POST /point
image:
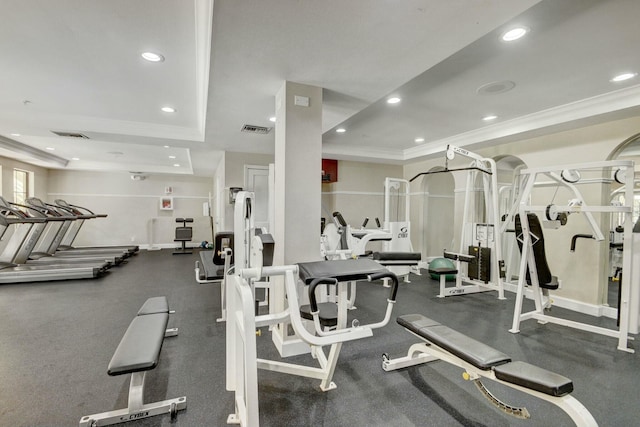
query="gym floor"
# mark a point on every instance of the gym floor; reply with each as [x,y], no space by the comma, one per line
[57,339]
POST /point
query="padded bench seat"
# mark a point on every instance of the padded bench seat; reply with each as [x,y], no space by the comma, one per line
[154,305]
[140,346]
[484,357]
[534,378]
[397,258]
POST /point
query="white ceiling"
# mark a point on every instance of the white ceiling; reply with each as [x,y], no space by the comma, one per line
[75,65]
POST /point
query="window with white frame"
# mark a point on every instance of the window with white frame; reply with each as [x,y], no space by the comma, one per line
[22,185]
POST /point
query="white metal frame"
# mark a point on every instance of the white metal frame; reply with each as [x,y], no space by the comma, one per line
[136,408]
[242,361]
[523,207]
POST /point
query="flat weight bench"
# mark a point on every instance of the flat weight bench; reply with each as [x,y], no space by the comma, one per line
[137,353]
[481,361]
[158,305]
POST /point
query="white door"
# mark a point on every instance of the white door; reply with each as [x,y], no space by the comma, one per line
[256,179]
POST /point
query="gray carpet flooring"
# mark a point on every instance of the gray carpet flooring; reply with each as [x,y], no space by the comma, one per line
[57,338]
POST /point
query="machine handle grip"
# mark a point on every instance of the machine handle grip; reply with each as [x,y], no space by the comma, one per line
[312,290]
[385,275]
[366,221]
[338,216]
[378,223]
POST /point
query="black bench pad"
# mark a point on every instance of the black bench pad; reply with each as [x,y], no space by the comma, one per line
[534,378]
[343,270]
[397,256]
[443,270]
[327,313]
[154,305]
[140,346]
[474,352]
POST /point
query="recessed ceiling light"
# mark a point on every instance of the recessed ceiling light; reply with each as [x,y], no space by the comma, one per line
[341,130]
[622,77]
[272,119]
[172,157]
[75,158]
[15,134]
[168,109]
[152,56]
[176,165]
[418,140]
[393,100]
[514,34]
[166,146]
[50,148]
[489,118]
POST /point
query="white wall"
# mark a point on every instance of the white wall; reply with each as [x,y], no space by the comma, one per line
[133,206]
[359,192]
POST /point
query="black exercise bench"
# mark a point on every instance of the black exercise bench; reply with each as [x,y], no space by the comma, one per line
[137,353]
[482,361]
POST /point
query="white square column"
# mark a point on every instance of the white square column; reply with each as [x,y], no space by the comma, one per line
[298,186]
[298,165]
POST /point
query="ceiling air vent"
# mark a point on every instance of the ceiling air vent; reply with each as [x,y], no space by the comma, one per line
[255,129]
[70,134]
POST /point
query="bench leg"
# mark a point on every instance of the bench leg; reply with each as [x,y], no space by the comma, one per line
[136,409]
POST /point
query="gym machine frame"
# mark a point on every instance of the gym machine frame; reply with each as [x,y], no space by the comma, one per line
[487,167]
[242,363]
[540,297]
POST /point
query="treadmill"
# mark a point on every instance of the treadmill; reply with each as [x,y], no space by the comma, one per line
[43,233]
[82,214]
[54,246]
[23,235]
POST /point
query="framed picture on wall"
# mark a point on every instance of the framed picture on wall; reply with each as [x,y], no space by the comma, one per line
[166,203]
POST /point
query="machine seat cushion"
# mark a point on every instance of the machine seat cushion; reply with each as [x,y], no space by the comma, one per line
[154,305]
[534,378]
[210,270]
[344,270]
[474,352]
[397,256]
[139,349]
[328,313]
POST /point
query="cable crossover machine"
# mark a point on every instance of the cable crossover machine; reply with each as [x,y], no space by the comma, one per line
[480,249]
